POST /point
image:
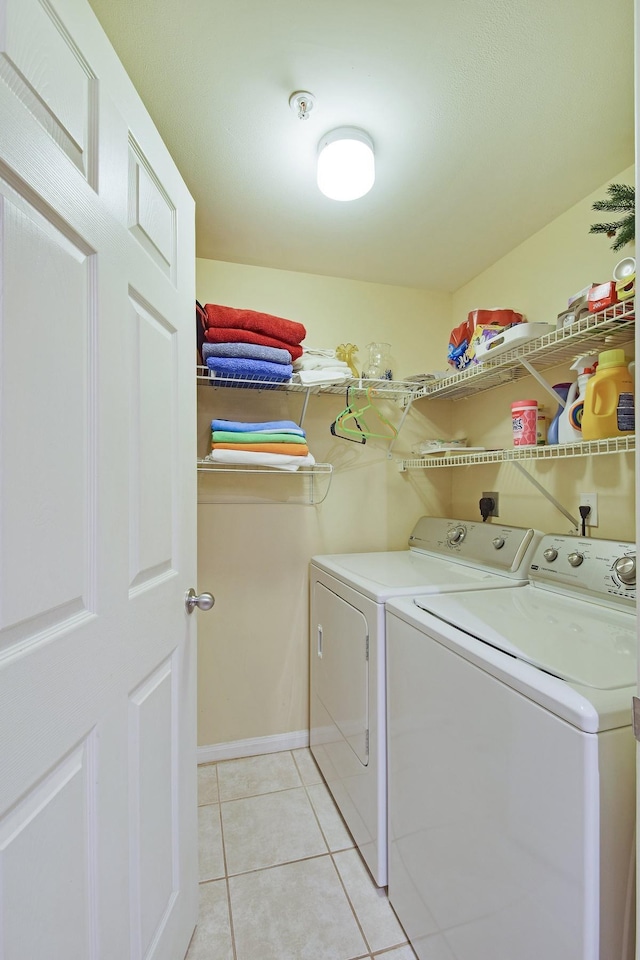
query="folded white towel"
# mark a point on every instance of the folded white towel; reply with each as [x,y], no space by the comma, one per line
[249,458]
[318,351]
[311,378]
[319,363]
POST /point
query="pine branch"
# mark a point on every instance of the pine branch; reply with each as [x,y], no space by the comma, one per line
[627,233]
[622,198]
[605,227]
[622,191]
[614,204]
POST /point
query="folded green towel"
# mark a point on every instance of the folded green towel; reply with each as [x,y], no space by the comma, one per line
[225,436]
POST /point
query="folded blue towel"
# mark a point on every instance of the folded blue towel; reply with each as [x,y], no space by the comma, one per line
[265,426]
[249,369]
[249,351]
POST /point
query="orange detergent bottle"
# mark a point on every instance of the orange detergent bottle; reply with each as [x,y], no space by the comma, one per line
[609,399]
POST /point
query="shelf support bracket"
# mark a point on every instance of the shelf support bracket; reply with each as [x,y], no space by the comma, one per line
[305,404]
[543,383]
[399,427]
[545,493]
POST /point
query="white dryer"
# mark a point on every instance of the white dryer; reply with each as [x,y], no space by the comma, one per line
[512,762]
[348,676]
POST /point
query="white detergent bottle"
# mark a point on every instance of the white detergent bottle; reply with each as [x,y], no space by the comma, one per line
[570,422]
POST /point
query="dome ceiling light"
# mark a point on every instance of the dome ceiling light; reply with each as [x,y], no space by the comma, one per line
[346,161]
[346,164]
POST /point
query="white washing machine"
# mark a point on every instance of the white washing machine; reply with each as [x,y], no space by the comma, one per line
[348,683]
[512,762]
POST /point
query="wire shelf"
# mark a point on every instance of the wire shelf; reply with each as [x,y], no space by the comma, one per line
[307,485]
[556,451]
[606,330]
[402,390]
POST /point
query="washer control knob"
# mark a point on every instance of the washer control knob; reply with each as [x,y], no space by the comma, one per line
[550,554]
[498,542]
[456,534]
[575,559]
[625,569]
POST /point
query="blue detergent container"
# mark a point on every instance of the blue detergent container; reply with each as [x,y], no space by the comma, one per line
[563,390]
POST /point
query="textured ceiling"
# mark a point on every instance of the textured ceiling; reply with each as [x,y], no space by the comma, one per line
[489,118]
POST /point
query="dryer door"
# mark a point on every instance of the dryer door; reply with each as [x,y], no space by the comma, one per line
[340,673]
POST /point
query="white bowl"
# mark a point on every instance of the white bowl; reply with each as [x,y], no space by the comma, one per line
[624,268]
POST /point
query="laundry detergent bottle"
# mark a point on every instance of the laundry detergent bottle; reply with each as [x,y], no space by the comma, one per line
[570,420]
[609,399]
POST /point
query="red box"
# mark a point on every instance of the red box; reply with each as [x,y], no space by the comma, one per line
[601,296]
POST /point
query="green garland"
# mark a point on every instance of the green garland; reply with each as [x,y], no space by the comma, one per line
[621,198]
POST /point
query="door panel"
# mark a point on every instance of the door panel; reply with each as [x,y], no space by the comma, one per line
[152,420]
[45,526]
[152,215]
[43,66]
[47,850]
[154,833]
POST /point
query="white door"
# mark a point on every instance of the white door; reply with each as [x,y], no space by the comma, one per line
[97,505]
[637,454]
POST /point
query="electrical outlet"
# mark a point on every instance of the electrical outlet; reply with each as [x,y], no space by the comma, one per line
[590,500]
[494,497]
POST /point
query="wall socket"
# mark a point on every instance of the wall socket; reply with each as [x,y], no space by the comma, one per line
[494,497]
[590,500]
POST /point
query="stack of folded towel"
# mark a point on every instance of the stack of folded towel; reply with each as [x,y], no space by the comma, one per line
[274,443]
[250,345]
[318,366]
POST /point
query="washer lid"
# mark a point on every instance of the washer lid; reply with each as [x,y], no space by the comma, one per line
[574,640]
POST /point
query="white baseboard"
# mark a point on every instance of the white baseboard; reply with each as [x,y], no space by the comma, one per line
[251,748]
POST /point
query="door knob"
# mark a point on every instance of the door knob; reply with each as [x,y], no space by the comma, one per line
[203,602]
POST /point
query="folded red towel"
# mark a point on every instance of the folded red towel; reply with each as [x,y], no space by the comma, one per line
[288,330]
[225,335]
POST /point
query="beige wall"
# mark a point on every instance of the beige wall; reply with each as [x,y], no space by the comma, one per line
[253,661]
[537,278]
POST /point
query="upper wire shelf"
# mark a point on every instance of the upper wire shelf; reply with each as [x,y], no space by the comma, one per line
[402,390]
[605,330]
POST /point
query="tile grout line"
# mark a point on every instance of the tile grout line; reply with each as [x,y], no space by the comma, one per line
[275,866]
[232,935]
[353,909]
[269,793]
[261,793]
[317,818]
[231,927]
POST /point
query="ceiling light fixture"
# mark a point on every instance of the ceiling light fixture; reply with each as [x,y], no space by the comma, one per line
[346,164]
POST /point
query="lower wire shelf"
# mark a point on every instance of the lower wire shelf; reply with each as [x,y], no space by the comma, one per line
[556,451]
[223,483]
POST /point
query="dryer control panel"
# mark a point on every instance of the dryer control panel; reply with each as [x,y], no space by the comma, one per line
[494,547]
[603,570]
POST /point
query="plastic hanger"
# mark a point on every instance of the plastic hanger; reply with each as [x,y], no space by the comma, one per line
[358,438]
[357,415]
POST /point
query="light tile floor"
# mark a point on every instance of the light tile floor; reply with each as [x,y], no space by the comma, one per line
[280,878]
